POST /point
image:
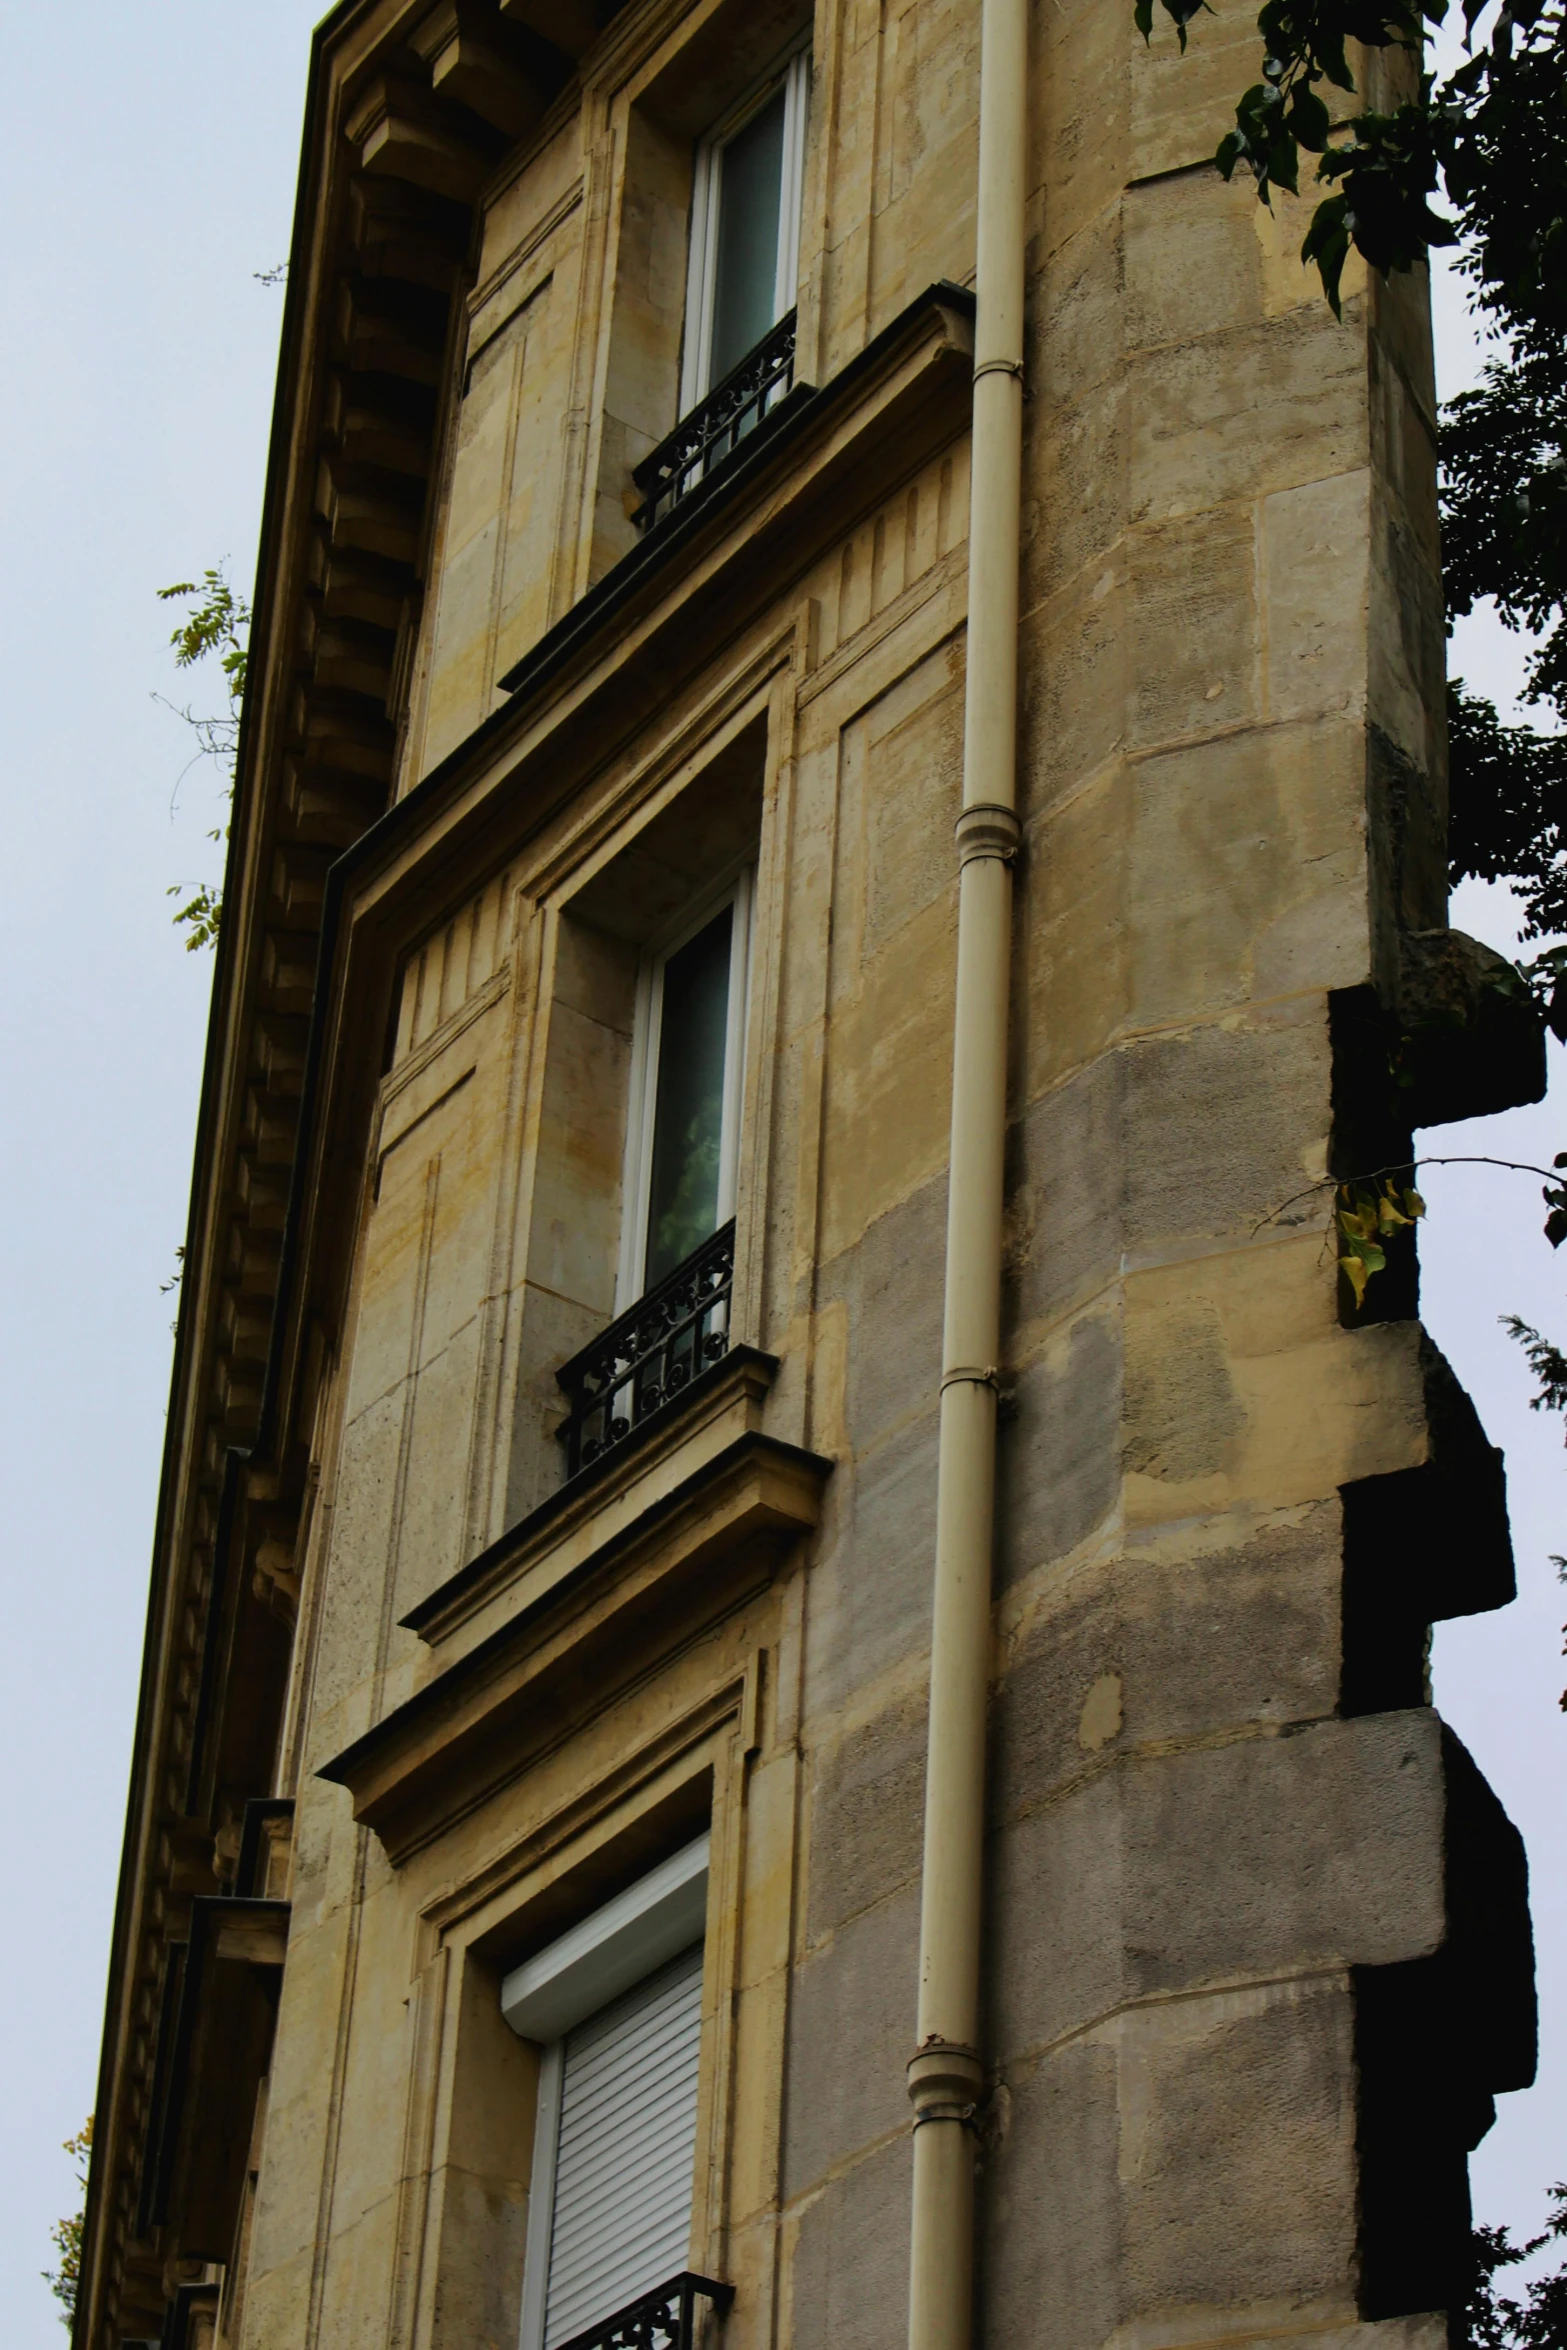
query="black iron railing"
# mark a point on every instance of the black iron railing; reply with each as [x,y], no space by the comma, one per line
[665,2320]
[717,425]
[651,1355]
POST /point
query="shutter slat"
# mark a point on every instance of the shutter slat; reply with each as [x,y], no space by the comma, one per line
[643,2111]
[643,2075]
[626,2150]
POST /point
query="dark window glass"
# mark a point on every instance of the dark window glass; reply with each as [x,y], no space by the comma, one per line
[750,191]
[688,1110]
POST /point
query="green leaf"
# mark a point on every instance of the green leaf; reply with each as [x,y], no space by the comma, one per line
[1326,243]
[1309,120]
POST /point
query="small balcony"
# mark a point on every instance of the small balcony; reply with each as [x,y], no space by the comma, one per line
[717,426]
[647,1360]
[662,2320]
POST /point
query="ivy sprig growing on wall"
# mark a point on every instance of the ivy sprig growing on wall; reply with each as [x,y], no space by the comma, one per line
[1370,1209]
[1367,1216]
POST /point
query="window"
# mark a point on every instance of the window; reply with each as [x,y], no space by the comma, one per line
[683,1130]
[618,2005]
[745,228]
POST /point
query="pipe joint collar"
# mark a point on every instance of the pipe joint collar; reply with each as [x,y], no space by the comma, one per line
[988,830]
[946,2083]
[1012,367]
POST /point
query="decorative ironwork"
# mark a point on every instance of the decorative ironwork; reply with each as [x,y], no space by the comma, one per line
[664,2320]
[717,425]
[651,1355]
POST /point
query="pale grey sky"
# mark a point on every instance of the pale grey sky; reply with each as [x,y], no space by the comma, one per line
[147,165]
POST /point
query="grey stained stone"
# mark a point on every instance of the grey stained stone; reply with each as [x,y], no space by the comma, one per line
[891,1281]
[1064,1184]
[1180,1873]
[1196,2158]
[1056,1953]
[1058,1457]
[1316,1849]
[1236,2156]
[1203,1645]
[850,2036]
[1218,1124]
[867,1813]
[871,1589]
[1162,1140]
[1050,2210]
[850,2272]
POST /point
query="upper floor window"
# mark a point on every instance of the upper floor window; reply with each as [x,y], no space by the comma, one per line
[684,1129]
[745,228]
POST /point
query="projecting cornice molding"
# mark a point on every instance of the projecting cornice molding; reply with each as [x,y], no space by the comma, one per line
[584,1602]
[394,152]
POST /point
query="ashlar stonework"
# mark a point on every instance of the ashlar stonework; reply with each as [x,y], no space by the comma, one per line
[1257,1942]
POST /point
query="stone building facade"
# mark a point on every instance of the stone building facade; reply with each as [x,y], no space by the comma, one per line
[522,1871]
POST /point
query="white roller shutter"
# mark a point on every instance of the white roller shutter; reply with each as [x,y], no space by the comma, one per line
[624,2156]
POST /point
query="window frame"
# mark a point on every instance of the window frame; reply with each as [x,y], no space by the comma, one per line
[738,892]
[793,75]
[585,1971]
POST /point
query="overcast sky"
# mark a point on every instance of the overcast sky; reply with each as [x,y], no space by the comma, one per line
[147,166]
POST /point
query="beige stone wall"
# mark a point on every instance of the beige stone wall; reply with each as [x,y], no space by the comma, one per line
[576,319]
[1230,628]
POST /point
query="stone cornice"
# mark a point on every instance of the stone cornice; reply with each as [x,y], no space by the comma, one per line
[580,1614]
[381,257]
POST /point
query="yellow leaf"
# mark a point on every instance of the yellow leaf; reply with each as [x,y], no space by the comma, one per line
[1354,1270]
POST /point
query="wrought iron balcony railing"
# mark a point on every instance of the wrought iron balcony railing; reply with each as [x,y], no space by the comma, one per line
[717,425]
[647,1358]
[665,2320]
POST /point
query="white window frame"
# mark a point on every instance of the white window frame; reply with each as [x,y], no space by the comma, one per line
[794,74]
[738,892]
[611,1952]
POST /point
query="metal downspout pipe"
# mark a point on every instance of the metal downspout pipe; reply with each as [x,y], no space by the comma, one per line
[946,2074]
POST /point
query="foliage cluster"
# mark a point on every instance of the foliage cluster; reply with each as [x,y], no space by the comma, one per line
[66,2234]
[216,626]
[1495,2320]
[1367,1215]
[1492,137]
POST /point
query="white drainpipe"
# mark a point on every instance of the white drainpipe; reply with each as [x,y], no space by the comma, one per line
[946,2073]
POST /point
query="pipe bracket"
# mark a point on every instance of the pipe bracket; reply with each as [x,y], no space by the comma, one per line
[988,830]
[1012,367]
[968,1375]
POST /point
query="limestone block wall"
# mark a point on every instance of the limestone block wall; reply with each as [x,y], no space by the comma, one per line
[1203,1873]
[571,346]
[1235,1983]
